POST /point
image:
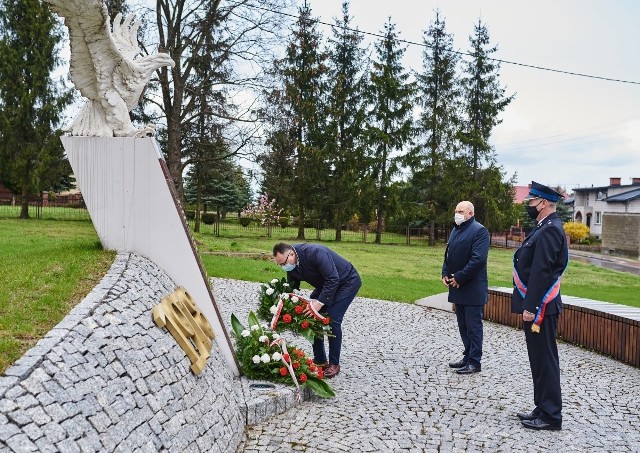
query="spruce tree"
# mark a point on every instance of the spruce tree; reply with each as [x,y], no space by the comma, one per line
[484,99]
[31,103]
[389,127]
[346,111]
[435,170]
[302,72]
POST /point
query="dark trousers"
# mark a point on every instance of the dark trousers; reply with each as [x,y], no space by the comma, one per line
[336,312]
[545,369]
[470,327]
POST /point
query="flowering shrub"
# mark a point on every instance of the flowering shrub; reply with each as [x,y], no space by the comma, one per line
[263,354]
[286,311]
[576,231]
[264,211]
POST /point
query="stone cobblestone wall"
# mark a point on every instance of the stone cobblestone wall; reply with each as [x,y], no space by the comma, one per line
[621,233]
[107,379]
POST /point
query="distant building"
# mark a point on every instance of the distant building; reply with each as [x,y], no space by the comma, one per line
[592,203]
[521,193]
[6,197]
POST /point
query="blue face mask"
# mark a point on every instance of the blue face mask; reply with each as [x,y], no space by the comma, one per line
[288,267]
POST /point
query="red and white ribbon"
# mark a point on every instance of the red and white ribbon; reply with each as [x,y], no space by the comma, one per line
[276,315]
[310,306]
[283,346]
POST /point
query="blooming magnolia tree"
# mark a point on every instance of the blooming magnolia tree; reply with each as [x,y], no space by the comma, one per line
[262,211]
[285,310]
[263,354]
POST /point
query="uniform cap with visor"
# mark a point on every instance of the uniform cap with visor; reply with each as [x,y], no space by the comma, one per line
[538,190]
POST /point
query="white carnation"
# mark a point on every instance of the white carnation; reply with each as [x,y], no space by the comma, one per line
[245,333]
[276,356]
[263,338]
[276,336]
[274,281]
[273,309]
[265,358]
[285,284]
[255,327]
[269,291]
[285,296]
[295,299]
[256,359]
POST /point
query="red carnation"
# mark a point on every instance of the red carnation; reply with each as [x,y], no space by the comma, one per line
[309,361]
[286,357]
[299,352]
[286,318]
[298,309]
[303,377]
[283,371]
[320,373]
[296,365]
[312,368]
[304,324]
[326,321]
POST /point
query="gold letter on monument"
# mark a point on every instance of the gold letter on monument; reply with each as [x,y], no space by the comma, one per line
[190,328]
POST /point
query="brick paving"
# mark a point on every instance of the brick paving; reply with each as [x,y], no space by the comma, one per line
[396,392]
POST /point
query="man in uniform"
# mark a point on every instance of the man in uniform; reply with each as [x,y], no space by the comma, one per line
[538,266]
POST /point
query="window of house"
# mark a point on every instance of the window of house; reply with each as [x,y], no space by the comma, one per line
[598,218]
[601,195]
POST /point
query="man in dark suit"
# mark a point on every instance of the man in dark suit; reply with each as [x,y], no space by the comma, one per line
[464,272]
[336,283]
[538,266]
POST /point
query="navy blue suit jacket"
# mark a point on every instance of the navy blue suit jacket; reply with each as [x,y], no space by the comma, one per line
[332,276]
[466,258]
[540,261]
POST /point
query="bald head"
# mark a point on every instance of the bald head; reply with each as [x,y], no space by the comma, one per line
[466,208]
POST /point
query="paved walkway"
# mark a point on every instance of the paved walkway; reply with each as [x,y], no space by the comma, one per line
[396,392]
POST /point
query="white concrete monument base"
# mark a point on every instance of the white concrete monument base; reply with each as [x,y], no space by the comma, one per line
[439,301]
[130,197]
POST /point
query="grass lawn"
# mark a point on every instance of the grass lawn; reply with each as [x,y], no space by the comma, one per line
[404,274]
[48,266]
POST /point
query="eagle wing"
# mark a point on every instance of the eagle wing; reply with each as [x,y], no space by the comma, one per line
[95,51]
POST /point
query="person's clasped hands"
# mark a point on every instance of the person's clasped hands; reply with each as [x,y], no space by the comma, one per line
[450,281]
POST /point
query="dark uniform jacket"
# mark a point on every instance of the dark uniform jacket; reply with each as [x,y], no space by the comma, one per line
[332,276]
[539,262]
[466,258]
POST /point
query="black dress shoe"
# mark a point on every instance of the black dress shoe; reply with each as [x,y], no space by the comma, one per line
[527,415]
[459,364]
[540,424]
[468,369]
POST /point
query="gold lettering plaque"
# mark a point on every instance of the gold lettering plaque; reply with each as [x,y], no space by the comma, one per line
[188,326]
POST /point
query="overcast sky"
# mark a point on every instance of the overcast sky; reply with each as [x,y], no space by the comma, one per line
[560,129]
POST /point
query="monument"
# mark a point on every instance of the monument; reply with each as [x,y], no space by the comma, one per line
[119,168]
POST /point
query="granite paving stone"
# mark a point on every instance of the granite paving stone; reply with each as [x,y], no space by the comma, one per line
[107,379]
[395,391]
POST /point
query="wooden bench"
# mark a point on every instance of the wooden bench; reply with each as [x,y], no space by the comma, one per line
[610,329]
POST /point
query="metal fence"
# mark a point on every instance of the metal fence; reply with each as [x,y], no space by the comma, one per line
[507,239]
[50,210]
[314,229]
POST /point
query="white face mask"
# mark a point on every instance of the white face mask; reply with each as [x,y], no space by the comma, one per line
[458,218]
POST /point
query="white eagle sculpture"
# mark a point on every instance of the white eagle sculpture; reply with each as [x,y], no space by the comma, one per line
[104,68]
